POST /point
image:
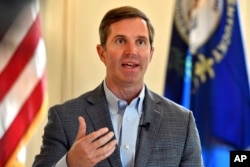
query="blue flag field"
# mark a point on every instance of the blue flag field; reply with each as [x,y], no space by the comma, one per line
[207,73]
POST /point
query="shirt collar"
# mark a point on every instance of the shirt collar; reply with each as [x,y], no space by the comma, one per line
[115,104]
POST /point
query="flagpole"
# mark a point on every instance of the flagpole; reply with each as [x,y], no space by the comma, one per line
[187,81]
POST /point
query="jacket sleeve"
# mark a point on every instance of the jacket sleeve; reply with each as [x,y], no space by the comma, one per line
[192,155]
[54,142]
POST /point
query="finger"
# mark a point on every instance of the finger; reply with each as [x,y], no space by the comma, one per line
[106,151]
[104,139]
[81,129]
[94,136]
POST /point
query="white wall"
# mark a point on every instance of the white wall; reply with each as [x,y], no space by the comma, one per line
[73,66]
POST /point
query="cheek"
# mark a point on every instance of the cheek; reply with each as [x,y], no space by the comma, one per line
[148,58]
[146,62]
[111,61]
[112,57]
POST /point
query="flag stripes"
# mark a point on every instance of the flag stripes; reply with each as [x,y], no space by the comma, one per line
[13,101]
[20,58]
[22,121]
[22,82]
[15,34]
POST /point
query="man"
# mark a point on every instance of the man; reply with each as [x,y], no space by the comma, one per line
[121,122]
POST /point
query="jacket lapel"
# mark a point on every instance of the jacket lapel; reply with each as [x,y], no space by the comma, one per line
[147,137]
[99,114]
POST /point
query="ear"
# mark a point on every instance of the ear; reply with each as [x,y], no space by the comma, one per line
[101,52]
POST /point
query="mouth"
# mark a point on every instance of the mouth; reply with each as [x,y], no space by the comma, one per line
[130,65]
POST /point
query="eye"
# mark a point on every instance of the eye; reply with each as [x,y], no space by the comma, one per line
[141,42]
[120,41]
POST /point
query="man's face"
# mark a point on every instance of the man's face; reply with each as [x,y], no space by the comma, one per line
[127,53]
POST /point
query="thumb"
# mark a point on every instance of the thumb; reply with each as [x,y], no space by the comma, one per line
[81,129]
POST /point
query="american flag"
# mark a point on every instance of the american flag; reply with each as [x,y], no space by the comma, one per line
[23,97]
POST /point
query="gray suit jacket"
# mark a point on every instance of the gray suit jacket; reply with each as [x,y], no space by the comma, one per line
[172,139]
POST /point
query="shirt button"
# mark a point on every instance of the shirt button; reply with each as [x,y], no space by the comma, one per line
[126,146]
[128,119]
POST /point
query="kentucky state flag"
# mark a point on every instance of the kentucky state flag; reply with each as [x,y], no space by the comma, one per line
[207,71]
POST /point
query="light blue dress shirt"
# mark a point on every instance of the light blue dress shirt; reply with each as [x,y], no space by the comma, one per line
[125,119]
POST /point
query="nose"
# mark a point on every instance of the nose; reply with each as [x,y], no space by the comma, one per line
[130,48]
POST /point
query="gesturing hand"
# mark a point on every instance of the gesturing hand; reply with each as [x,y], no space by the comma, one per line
[88,150]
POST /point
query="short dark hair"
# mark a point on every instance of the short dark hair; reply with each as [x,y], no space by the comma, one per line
[120,13]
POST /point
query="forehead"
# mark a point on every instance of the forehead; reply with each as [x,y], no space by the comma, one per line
[131,26]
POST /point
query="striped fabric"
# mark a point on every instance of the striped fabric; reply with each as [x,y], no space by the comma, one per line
[22,84]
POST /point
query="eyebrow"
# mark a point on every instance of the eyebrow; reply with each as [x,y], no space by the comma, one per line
[124,36]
